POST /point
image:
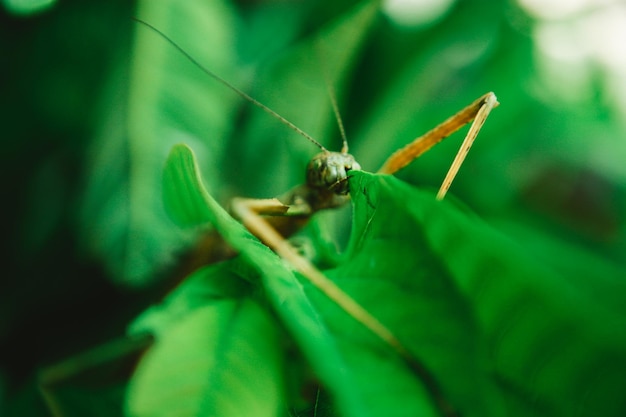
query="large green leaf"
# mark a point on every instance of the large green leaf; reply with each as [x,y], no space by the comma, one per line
[545,337]
[390,270]
[222,359]
[160,100]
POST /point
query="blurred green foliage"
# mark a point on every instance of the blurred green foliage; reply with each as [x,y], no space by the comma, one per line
[27,7]
[92,103]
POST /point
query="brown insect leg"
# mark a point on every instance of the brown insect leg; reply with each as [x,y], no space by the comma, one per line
[490,102]
[413,150]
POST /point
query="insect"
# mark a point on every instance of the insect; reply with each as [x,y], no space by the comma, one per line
[327,186]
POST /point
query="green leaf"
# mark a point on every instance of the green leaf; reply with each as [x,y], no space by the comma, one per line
[390,270]
[162,99]
[184,196]
[222,359]
[550,344]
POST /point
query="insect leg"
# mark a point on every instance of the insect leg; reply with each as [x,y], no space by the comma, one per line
[490,102]
[476,111]
[250,212]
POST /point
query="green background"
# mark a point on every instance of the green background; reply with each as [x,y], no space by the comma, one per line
[92,103]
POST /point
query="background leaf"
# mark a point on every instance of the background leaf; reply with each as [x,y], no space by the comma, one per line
[167,101]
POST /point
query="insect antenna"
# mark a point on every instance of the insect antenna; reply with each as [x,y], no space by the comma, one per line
[230,86]
[333,99]
[342,131]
